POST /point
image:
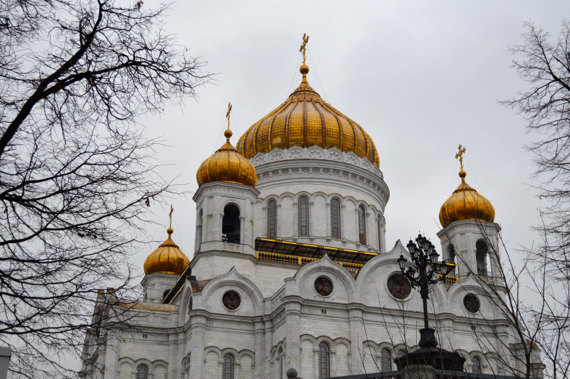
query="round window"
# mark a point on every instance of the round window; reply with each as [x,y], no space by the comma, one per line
[399,286]
[323,286]
[471,303]
[231,300]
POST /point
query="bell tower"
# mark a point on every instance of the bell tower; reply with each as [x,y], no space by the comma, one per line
[225,200]
[469,237]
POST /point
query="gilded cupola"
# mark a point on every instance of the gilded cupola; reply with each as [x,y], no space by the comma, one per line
[465,203]
[168,258]
[227,165]
[305,120]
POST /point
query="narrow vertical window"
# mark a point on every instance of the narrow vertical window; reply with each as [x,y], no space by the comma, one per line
[481,253]
[379,234]
[231,224]
[228,367]
[362,224]
[476,365]
[303,216]
[324,360]
[272,219]
[335,218]
[199,229]
[451,257]
[142,372]
[386,360]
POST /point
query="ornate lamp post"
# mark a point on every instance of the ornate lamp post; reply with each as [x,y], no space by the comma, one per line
[423,272]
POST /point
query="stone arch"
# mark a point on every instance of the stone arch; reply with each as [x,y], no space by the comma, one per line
[234,280]
[308,273]
[186,300]
[159,369]
[126,368]
[373,275]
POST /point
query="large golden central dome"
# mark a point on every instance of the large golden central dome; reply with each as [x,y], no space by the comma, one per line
[305,119]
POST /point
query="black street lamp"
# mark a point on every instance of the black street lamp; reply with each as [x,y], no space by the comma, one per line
[423,272]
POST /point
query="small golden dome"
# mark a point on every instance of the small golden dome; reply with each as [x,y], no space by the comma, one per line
[305,119]
[167,259]
[466,204]
[227,165]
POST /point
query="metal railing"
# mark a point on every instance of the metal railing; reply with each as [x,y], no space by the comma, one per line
[439,374]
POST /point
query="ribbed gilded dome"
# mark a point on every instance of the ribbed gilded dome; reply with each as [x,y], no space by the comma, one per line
[305,119]
[466,204]
[167,259]
[227,165]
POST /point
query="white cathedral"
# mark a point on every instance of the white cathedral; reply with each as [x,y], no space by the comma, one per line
[290,267]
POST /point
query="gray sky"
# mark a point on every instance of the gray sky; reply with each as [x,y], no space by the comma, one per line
[421,77]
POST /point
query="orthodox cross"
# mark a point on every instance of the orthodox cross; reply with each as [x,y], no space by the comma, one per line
[303,48]
[459,156]
[170,215]
[228,114]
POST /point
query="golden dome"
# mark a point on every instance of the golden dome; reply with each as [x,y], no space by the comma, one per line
[466,204]
[167,259]
[227,165]
[305,119]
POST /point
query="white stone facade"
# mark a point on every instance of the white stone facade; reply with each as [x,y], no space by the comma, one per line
[282,321]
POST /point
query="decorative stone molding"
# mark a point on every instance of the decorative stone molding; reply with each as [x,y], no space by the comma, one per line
[315,152]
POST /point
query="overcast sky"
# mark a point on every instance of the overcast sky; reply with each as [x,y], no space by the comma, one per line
[421,77]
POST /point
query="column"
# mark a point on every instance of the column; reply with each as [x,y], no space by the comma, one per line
[197,330]
[292,322]
[356,329]
[111,355]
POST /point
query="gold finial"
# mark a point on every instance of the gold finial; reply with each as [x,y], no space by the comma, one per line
[303,49]
[228,133]
[169,230]
[459,155]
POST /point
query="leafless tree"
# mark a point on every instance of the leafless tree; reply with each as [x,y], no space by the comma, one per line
[545,66]
[75,172]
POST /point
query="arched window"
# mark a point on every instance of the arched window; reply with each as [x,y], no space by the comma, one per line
[324,360]
[451,258]
[271,219]
[199,229]
[386,360]
[481,254]
[476,365]
[142,372]
[303,216]
[362,224]
[231,224]
[228,367]
[335,218]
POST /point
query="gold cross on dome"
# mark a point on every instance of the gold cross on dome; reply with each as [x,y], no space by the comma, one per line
[459,155]
[228,113]
[303,48]
[170,215]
